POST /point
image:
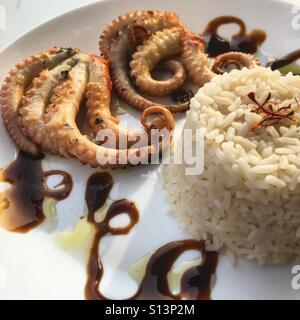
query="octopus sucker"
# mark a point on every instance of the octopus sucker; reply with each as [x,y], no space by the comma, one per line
[15,85]
[195,59]
[238,59]
[37,98]
[64,133]
[115,46]
[159,46]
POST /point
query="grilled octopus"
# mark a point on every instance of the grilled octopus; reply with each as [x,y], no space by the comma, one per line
[41,97]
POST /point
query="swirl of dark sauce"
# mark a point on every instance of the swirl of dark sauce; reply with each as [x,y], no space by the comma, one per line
[97,191]
[284,61]
[27,192]
[241,41]
[195,283]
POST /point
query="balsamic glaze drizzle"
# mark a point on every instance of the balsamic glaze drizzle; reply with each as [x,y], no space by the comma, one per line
[27,192]
[241,41]
[98,188]
[284,61]
[195,283]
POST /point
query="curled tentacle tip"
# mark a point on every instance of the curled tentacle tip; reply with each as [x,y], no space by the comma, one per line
[164,120]
[236,59]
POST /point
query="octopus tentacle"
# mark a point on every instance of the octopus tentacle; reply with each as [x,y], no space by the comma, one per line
[167,117]
[112,30]
[98,95]
[15,85]
[117,52]
[174,66]
[61,126]
[238,59]
[160,45]
[64,105]
[123,85]
[35,100]
[195,60]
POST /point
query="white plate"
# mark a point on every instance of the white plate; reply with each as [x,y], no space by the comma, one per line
[32,266]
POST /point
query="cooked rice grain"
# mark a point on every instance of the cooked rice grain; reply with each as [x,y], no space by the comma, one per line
[247,200]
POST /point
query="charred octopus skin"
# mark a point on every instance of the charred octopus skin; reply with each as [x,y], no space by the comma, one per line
[196,60]
[137,42]
[59,80]
[60,123]
[238,59]
[41,96]
[35,100]
[98,100]
[161,45]
[114,45]
[14,87]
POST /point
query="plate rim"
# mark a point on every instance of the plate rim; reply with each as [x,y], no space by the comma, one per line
[95,4]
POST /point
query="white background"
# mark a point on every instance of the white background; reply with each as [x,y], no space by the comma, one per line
[23,15]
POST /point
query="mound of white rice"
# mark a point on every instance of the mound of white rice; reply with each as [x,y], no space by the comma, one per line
[247,200]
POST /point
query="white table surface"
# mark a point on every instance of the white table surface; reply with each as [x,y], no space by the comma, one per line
[23,15]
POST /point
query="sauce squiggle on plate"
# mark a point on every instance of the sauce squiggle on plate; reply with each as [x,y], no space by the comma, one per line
[22,202]
[195,282]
